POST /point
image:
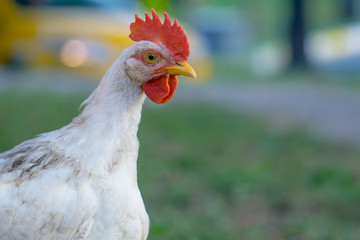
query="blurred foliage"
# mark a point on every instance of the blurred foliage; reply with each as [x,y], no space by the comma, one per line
[206,173]
[158,5]
[271,17]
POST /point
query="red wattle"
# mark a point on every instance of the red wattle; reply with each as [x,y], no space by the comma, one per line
[173,81]
[161,90]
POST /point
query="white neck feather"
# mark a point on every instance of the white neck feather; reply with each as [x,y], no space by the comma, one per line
[103,137]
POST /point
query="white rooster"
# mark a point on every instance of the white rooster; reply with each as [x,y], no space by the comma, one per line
[80,181]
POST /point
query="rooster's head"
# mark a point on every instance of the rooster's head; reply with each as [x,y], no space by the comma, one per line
[159,55]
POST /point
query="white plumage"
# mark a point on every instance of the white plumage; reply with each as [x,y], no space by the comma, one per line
[80,181]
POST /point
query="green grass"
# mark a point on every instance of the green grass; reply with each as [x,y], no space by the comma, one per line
[209,174]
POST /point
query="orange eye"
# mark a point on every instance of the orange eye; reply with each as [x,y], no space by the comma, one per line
[150,57]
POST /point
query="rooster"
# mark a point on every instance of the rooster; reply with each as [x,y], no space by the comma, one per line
[80,181]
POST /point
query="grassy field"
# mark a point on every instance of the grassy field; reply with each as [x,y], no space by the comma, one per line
[209,174]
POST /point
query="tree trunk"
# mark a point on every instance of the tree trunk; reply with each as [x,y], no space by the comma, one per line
[349,10]
[297,33]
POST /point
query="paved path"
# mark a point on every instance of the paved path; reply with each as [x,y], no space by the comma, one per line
[327,112]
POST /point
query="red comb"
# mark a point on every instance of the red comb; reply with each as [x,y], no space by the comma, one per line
[172,37]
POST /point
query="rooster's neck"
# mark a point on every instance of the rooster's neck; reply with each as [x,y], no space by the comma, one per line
[104,135]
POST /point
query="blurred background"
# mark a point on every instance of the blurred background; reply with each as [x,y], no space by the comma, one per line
[264,144]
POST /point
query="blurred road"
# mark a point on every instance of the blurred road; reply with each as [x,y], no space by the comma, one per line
[43,79]
[327,112]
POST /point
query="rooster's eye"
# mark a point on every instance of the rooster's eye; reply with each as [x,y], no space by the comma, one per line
[150,57]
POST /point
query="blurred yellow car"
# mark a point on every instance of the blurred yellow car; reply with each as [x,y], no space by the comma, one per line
[81,35]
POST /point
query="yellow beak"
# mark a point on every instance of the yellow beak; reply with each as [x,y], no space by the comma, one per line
[181,68]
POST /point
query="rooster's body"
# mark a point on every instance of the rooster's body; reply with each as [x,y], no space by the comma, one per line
[80,181]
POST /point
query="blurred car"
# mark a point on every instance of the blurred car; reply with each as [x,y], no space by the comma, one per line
[82,35]
[335,49]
